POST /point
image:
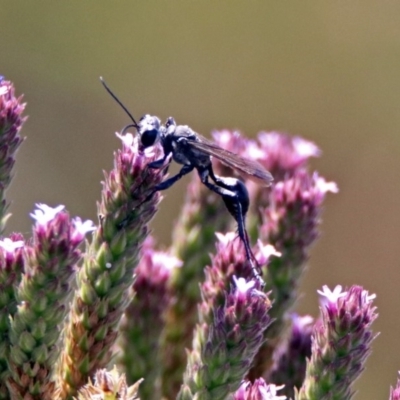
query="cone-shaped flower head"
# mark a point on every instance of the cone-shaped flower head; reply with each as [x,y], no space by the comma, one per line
[283,154]
[11,121]
[229,261]
[11,267]
[292,219]
[109,386]
[43,294]
[143,321]
[290,358]
[105,281]
[291,224]
[223,350]
[341,343]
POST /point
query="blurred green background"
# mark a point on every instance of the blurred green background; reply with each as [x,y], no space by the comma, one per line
[326,70]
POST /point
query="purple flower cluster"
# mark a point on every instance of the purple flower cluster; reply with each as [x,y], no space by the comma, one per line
[341,341]
[106,277]
[224,348]
[395,392]
[42,273]
[290,357]
[192,325]
[11,121]
[143,322]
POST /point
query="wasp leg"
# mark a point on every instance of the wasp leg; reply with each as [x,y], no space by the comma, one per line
[187,168]
[157,164]
[163,186]
[170,181]
[236,198]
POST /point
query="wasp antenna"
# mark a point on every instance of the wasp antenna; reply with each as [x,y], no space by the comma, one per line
[124,130]
[120,103]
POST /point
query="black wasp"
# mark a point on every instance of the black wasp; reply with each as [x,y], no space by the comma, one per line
[194,151]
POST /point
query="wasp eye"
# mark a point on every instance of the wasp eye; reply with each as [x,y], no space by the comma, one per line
[149,137]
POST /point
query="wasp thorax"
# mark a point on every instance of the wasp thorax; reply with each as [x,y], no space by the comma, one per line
[149,130]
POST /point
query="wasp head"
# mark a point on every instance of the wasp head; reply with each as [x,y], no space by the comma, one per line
[149,129]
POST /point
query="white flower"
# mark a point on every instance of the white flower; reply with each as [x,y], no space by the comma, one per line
[305,148]
[226,238]
[253,151]
[128,139]
[44,214]
[266,251]
[324,186]
[366,297]
[269,139]
[330,296]
[301,321]
[83,227]
[166,260]
[242,285]
[260,390]
[268,392]
[3,90]
[9,246]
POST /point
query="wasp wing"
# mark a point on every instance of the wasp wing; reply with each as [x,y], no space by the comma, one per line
[252,169]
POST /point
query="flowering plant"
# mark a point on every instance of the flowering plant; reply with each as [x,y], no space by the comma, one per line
[175,323]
